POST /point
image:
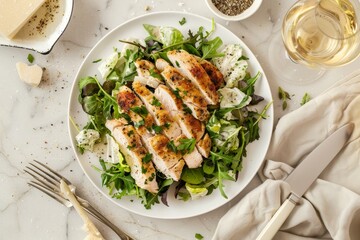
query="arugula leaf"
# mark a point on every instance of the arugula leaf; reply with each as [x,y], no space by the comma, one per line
[209,48]
[222,175]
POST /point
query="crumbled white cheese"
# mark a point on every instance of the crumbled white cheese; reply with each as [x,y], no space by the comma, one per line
[87,138]
[231,65]
[29,74]
[231,97]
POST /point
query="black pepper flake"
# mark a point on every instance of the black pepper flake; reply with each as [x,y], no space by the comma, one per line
[232,7]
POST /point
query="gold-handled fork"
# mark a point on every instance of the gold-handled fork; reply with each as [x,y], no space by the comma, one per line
[48,181]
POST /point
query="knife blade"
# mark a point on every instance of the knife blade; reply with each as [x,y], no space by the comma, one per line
[302,177]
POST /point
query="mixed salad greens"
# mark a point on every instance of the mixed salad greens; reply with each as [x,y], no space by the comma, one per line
[233,124]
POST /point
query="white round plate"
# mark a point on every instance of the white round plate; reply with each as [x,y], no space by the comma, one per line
[255,152]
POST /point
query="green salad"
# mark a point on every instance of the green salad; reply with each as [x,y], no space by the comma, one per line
[233,122]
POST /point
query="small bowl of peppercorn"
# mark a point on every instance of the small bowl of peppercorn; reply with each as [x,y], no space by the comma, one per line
[233,10]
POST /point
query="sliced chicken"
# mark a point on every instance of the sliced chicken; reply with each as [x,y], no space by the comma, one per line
[191,68]
[214,73]
[166,161]
[204,145]
[134,153]
[190,126]
[147,72]
[189,93]
[192,159]
[162,117]
[161,64]
[131,105]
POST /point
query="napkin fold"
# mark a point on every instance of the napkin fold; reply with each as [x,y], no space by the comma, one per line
[330,209]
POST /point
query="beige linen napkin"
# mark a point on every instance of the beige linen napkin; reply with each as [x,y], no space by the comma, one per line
[330,209]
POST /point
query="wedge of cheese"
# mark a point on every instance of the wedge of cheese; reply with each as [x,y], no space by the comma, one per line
[30,74]
[15,13]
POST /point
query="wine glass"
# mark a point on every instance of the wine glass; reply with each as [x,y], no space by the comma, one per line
[317,34]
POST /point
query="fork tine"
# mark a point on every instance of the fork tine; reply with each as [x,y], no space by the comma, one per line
[53,172]
[36,174]
[45,172]
[50,193]
[47,184]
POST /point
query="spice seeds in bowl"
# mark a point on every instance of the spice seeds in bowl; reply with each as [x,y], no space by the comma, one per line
[233,10]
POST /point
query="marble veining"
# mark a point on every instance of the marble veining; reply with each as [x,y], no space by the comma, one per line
[33,122]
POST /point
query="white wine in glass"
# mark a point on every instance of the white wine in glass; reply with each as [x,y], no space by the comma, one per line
[318,34]
[322,33]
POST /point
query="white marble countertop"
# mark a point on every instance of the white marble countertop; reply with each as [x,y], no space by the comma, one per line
[33,122]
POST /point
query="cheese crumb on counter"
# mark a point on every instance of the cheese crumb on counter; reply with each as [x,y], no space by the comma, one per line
[30,74]
[89,226]
[14,15]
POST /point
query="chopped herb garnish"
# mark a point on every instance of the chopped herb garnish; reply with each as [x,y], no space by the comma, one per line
[131,146]
[147,158]
[96,61]
[284,96]
[142,111]
[182,21]
[30,58]
[139,123]
[155,102]
[177,64]
[171,146]
[143,170]
[130,133]
[157,129]
[167,125]
[155,74]
[306,98]
[186,145]
[176,92]
[199,236]
[186,109]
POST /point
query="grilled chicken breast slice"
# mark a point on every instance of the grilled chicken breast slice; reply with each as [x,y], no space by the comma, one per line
[189,93]
[192,159]
[191,68]
[134,153]
[146,73]
[129,102]
[162,117]
[214,73]
[166,161]
[190,126]
[204,145]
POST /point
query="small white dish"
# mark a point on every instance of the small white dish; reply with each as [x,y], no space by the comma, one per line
[42,38]
[245,14]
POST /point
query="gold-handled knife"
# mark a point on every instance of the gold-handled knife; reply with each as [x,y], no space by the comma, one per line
[305,174]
